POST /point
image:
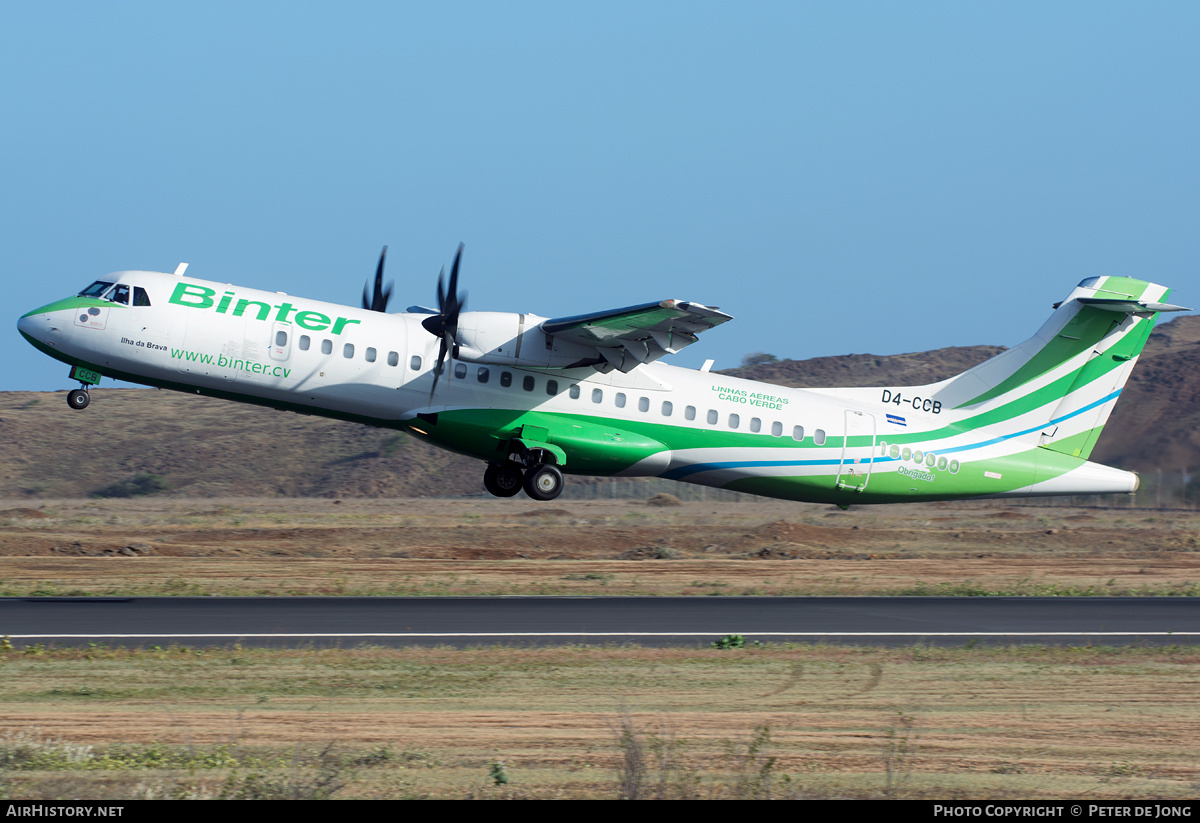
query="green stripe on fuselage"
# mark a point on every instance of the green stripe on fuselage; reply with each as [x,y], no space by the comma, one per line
[72,303]
[1008,473]
[1086,328]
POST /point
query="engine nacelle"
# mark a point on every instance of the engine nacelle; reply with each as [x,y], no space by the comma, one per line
[510,339]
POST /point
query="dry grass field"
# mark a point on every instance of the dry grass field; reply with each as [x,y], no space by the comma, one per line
[154,545]
[785,721]
[772,721]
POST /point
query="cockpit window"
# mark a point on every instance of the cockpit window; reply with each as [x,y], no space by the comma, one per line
[117,293]
[96,289]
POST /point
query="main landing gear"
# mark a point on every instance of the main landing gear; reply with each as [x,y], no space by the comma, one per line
[503,480]
[78,399]
[543,481]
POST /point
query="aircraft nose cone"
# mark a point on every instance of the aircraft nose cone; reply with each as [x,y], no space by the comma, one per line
[34,325]
[25,325]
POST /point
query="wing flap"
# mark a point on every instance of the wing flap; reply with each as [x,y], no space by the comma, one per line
[662,322]
[626,337]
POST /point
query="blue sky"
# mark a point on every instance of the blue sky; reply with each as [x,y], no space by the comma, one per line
[841,177]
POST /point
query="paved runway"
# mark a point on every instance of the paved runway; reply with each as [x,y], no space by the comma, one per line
[658,621]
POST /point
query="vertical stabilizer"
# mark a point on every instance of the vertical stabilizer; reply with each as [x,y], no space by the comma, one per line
[1060,385]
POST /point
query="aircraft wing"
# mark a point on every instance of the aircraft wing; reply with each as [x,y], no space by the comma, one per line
[637,334]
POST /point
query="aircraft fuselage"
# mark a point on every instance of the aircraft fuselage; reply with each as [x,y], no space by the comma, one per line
[843,446]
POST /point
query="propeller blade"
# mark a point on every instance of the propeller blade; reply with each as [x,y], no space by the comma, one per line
[454,301]
[379,300]
[444,324]
[450,303]
[437,370]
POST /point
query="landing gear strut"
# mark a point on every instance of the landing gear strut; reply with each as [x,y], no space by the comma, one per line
[78,399]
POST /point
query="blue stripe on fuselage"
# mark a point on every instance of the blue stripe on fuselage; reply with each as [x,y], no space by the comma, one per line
[698,468]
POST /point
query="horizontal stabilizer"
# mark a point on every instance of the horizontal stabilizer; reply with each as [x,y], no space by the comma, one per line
[1128,306]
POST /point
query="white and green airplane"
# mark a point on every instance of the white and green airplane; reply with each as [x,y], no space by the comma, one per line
[536,397]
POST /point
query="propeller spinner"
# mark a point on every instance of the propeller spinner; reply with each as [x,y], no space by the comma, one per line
[444,324]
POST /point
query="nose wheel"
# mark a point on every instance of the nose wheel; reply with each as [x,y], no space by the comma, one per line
[78,399]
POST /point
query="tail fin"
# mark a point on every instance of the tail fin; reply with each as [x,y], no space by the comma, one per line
[1062,383]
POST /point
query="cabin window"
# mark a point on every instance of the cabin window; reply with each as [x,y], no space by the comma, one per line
[348,351]
[574,391]
[619,400]
[393,358]
[643,404]
[551,387]
[777,429]
[712,417]
[689,413]
[755,424]
[415,362]
[327,348]
[370,354]
[597,395]
[667,408]
[819,437]
[797,433]
[735,420]
[140,298]
[304,342]
[528,383]
[281,338]
[96,289]
[506,379]
[460,370]
[482,374]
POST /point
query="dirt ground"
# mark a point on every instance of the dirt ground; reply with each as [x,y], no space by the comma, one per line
[476,546]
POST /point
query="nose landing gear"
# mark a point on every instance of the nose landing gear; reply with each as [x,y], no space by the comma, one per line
[78,399]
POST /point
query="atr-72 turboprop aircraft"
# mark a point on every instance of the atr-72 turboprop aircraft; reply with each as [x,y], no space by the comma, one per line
[536,397]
